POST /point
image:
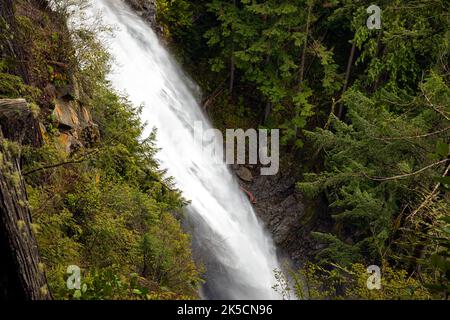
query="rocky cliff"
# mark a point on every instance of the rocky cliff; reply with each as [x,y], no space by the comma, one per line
[287,215]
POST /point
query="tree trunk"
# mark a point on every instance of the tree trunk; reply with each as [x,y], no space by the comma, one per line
[232,69]
[21,273]
[302,65]
[267,110]
[232,59]
[347,76]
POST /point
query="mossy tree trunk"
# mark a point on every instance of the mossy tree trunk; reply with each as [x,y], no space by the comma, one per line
[21,273]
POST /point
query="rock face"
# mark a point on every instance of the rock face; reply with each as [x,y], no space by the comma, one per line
[286,213]
[73,121]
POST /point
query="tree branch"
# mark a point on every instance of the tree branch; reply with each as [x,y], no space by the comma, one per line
[413,137]
[72,161]
[430,196]
[402,176]
[435,108]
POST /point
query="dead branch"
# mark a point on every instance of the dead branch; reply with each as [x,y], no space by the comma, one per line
[402,176]
[60,164]
[430,196]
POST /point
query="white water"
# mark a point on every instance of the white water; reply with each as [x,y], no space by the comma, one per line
[239,256]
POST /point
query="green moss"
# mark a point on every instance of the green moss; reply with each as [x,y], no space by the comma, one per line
[35,110]
[12,147]
[12,87]
[15,178]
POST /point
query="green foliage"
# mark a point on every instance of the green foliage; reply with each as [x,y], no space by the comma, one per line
[260,40]
[174,15]
[167,256]
[97,213]
[377,118]
[315,282]
[48,52]
[439,260]
[12,86]
[103,284]
[336,251]
[376,144]
[381,160]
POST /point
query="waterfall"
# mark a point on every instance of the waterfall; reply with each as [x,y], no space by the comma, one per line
[239,256]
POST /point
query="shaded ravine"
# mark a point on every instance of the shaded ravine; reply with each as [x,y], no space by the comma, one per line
[240,257]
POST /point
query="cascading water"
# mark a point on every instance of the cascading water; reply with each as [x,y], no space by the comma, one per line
[240,258]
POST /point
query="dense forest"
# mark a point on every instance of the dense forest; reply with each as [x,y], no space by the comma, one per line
[364,118]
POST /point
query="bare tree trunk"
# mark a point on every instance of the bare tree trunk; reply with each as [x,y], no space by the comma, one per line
[232,70]
[267,110]
[21,273]
[302,65]
[347,75]
[232,59]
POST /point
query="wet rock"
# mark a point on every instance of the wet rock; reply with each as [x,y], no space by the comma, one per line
[147,10]
[90,135]
[286,213]
[245,174]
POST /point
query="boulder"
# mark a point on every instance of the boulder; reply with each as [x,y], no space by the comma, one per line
[244,174]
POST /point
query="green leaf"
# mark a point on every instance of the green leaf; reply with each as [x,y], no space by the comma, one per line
[442,180]
[446,229]
[77,294]
[445,219]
